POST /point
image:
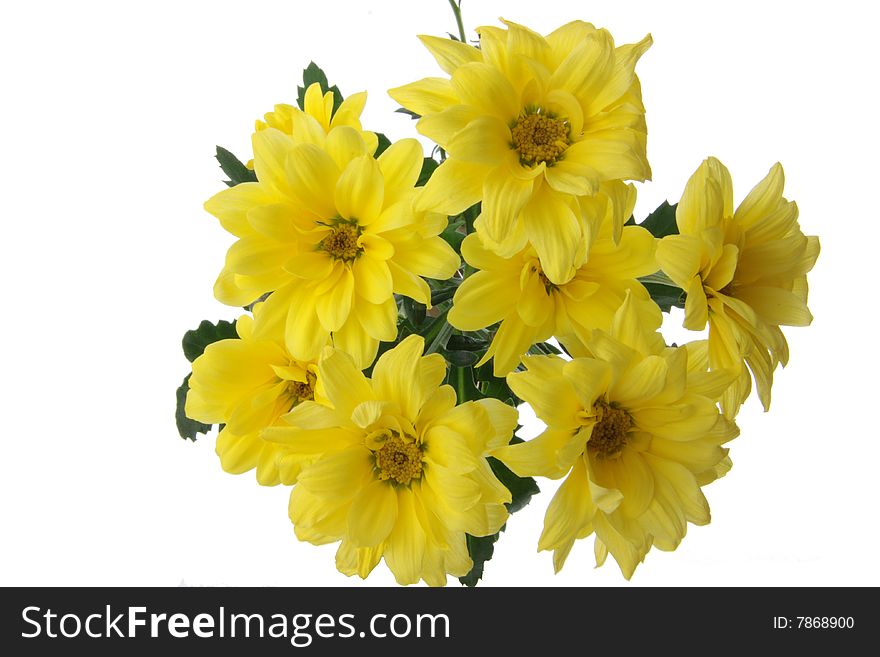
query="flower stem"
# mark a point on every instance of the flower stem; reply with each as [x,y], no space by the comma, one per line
[456,9]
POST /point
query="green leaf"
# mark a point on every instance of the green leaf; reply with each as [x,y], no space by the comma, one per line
[384,143]
[461,378]
[311,74]
[429,164]
[238,173]
[481,550]
[415,312]
[437,334]
[409,113]
[443,294]
[186,427]
[460,358]
[454,234]
[494,386]
[195,341]
[465,343]
[661,222]
[521,488]
[665,296]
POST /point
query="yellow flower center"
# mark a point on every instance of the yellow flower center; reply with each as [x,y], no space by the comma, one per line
[399,460]
[539,138]
[609,433]
[342,242]
[301,391]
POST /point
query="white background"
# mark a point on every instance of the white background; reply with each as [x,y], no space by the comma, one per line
[110,116]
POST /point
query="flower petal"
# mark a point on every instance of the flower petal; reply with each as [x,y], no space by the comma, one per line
[372,514]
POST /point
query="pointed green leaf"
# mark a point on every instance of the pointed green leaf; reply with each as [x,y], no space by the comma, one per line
[186,427]
[661,222]
[384,143]
[195,341]
[233,167]
[428,166]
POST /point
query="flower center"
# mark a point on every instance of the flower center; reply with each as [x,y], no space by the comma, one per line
[302,390]
[609,433]
[399,460]
[341,243]
[539,138]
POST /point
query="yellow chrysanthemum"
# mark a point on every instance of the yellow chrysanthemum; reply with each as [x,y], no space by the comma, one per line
[518,293]
[318,112]
[527,122]
[248,384]
[331,232]
[398,471]
[744,273]
[635,428]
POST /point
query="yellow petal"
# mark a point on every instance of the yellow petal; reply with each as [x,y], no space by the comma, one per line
[378,320]
[231,206]
[483,299]
[432,258]
[503,198]
[702,203]
[334,306]
[534,305]
[679,257]
[547,391]
[511,342]
[344,385]
[722,271]
[554,231]
[344,144]
[450,54]
[586,67]
[394,376]
[271,149]
[408,284]
[357,342]
[312,175]
[426,96]
[696,310]
[338,476]
[372,279]
[360,191]
[776,306]
[405,549]
[570,511]
[621,74]
[539,457]
[485,140]
[373,514]
[641,383]
[763,200]
[400,164]
[453,187]
[485,88]
[588,378]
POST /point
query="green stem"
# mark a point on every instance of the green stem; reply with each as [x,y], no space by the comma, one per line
[456,9]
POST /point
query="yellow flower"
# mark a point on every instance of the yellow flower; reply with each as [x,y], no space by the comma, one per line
[635,428]
[399,470]
[744,273]
[248,384]
[528,122]
[517,291]
[317,113]
[331,232]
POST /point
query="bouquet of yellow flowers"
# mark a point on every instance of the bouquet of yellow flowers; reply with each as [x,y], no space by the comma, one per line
[399,308]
